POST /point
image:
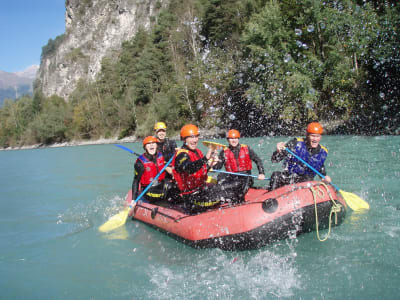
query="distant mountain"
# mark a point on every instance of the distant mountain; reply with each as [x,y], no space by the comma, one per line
[14,85]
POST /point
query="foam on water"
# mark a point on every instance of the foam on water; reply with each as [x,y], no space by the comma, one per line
[217,274]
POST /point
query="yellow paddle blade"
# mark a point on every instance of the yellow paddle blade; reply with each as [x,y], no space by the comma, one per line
[355,202]
[118,234]
[115,221]
[213,145]
[211,180]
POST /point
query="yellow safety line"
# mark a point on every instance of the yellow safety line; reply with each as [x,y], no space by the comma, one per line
[336,207]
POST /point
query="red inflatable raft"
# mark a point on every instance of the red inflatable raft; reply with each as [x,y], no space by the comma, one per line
[264,217]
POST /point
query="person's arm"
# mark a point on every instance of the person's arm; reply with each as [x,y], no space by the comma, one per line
[221,160]
[170,149]
[139,170]
[184,164]
[280,152]
[323,172]
[173,146]
[254,157]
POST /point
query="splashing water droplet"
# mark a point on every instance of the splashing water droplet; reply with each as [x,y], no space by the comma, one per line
[287,58]
[298,31]
[310,28]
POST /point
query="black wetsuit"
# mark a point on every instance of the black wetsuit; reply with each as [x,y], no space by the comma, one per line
[167,148]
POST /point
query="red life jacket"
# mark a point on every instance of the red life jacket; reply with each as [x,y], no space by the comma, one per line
[151,170]
[243,163]
[188,183]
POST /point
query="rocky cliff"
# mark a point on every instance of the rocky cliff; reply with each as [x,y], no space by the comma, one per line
[94,29]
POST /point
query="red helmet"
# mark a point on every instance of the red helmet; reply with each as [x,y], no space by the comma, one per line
[233,134]
[189,130]
[314,128]
[148,140]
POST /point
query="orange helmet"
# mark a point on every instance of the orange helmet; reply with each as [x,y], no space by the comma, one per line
[189,130]
[233,134]
[148,140]
[160,125]
[314,128]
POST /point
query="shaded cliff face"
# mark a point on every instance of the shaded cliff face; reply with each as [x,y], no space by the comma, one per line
[94,29]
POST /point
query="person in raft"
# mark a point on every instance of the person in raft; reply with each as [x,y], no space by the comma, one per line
[309,149]
[166,146]
[237,158]
[147,166]
[190,169]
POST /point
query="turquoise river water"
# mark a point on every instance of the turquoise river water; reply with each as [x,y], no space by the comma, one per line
[53,200]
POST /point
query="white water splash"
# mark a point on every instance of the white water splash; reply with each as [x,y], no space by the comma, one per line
[218,275]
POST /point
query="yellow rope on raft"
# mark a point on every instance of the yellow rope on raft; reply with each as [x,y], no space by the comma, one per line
[336,207]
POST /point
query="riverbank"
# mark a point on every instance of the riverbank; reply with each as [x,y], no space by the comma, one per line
[205,133]
[100,141]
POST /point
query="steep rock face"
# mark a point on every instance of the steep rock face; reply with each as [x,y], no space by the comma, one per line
[94,29]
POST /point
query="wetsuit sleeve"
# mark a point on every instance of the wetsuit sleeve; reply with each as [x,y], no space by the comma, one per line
[170,150]
[173,146]
[278,156]
[323,170]
[221,162]
[138,172]
[254,157]
[184,164]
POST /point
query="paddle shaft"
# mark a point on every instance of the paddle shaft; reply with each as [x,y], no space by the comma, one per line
[308,165]
[233,173]
[127,149]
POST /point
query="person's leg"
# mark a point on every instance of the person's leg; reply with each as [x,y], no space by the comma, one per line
[172,192]
[279,179]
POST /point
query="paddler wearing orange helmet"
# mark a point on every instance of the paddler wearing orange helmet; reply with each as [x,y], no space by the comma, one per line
[237,158]
[147,166]
[309,149]
[190,168]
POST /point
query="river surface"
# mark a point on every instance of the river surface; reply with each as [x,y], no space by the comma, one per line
[53,200]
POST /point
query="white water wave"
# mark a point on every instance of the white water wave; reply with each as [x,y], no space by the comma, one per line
[263,275]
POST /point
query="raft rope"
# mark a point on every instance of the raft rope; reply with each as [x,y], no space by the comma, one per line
[336,207]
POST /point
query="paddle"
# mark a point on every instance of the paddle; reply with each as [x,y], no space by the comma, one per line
[127,149]
[214,145]
[233,173]
[352,200]
[120,219]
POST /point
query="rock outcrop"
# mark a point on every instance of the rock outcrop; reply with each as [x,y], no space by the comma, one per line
[94,29]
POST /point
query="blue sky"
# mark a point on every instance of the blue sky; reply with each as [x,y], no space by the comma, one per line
[25,27]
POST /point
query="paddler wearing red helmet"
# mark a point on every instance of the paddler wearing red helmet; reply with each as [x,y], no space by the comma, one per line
[309,149]
[147,166]
[190,168]
[237,158]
